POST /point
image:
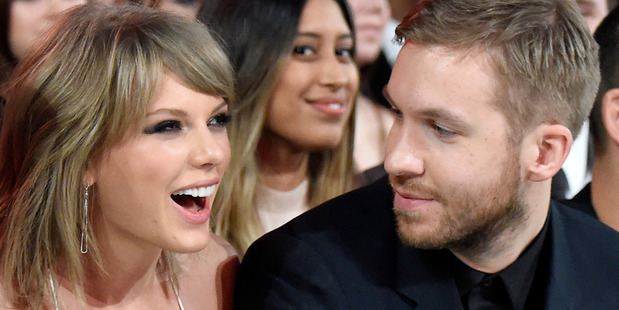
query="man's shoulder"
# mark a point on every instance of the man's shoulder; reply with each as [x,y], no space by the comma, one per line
[577,225]
[368,205]
[585,249]
[345,247]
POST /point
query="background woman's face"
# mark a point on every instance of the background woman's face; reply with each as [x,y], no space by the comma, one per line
[28,19]
[187,8]
[314,96]
[593,12]
[370,17]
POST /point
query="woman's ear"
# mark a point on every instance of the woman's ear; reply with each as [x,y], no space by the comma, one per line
[89,177]
[545,149]
[610,114]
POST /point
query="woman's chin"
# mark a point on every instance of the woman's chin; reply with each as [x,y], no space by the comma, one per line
[191,245]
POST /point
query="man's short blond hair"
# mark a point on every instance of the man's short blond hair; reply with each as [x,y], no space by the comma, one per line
[542,51]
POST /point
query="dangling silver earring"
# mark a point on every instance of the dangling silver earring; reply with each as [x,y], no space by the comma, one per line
[84,241]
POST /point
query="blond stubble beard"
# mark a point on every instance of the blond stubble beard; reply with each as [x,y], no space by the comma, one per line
[472,220]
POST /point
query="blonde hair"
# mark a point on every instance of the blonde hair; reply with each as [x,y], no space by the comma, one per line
[78,94]
[259,36]
[542,51]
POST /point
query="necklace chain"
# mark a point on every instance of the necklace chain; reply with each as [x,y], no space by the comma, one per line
[52,285]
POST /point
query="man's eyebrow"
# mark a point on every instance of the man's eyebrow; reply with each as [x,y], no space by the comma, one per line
[434,113]
[443,114]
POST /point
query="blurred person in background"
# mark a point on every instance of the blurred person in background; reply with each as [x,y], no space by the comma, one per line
[599,198]
[372,118]
[21,24]
[593,11]
[188,8]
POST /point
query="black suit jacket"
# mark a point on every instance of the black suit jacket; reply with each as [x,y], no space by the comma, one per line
[346,254]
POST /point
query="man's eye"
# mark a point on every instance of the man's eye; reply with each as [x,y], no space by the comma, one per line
[220,120]
[164,127]
[395,111]
[442,131]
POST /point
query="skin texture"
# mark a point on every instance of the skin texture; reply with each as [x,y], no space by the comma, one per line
[30,18]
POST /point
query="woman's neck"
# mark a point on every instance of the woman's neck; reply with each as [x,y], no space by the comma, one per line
[129,273]
[281,165]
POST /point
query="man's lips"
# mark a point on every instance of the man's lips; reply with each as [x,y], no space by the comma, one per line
[408,201]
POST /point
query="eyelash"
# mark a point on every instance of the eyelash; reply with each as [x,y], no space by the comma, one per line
[348,52]
[220,120]
[442,131]
[395,111]
[306,51]
[302,50]
[164,127]
[169,126]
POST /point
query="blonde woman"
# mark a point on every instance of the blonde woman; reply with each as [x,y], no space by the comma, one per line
[292,133]
[113,145]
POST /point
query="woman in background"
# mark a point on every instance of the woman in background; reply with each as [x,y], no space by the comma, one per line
[372,118]
[112,148]
[21,24]
[292,133]
[188,8]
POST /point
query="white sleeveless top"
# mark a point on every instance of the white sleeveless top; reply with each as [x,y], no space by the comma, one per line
[275,207]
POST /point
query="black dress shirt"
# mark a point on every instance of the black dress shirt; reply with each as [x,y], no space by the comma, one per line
[506,289]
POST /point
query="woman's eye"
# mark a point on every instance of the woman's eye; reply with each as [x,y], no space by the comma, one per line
[220,120]
[303,50]
[344,52]
[164,127]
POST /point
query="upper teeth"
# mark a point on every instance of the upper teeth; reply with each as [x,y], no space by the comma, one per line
[335,105]
[198,191]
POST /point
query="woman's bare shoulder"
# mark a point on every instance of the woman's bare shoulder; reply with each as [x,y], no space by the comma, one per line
[208,275]
[217,251]
[219,247]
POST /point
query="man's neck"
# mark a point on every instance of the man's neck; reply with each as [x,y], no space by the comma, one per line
[604,187]
[503,250]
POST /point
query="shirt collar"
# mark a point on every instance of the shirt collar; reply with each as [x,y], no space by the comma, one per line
[517,277]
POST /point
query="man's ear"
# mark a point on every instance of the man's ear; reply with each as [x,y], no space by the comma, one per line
[544,151]
[610,114]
